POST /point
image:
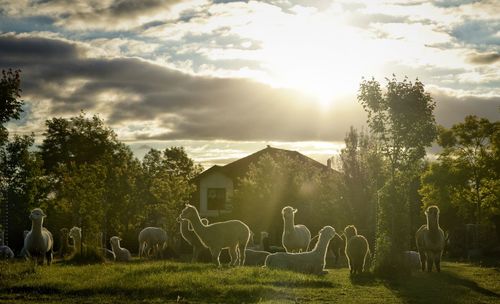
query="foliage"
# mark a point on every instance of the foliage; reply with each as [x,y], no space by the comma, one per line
[10,104]
[464,181]
[402,120]
[276,181]
[363,173]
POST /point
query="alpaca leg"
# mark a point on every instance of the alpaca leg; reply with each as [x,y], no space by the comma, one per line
[243,255]
[422,260]
[215,255]
[196,254]
[430,260]
[233,253]
[437,261]
[49,257]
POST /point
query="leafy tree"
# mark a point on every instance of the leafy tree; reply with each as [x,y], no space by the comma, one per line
[465,179]
[276,181]
[23,186]
[402,120]
[168,177]
[362,169]
[10,104]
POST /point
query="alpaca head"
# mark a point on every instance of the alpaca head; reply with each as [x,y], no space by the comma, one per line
[37,215]
[189,213]
[264,235]
[432,212]
[350,231]
[75,233]
[288,212]
[115,241]
[64,232]
[327,232]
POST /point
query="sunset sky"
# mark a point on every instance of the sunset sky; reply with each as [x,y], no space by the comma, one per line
[225,78]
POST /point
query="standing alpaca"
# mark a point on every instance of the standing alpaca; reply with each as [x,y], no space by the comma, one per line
[121,254]
[38,242]
[430,240]
[356,250]
[306,262]
[64,247]
[232,234]
[295,238]
[189,236]
[152,238]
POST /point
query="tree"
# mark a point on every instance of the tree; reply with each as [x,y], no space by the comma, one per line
[10,104]
[168,177]
[402,120]
[275,181]
[465,179]
[24,185]
[362,169]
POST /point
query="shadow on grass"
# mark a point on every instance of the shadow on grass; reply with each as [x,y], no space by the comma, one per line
[444,287]
[364,279]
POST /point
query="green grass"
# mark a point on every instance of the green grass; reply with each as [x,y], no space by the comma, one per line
[164,281]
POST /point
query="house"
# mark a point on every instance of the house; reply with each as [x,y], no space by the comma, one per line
[216,185]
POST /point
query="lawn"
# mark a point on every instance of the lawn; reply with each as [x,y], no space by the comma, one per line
[165,281]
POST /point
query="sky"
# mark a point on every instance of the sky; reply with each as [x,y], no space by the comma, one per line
[226,78]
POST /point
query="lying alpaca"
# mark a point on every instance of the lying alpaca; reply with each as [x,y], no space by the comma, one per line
[306,262]
[191,238]
[152,239]
[5,252]
[356,250]
[121,254]
[232,234]
[430,240]
[295,238]
[255,257]
[39,242]
[412,260]
[264,241]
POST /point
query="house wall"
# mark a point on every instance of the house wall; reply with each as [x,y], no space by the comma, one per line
[215,180]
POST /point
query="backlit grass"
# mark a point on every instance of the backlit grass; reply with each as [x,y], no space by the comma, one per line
[164,281]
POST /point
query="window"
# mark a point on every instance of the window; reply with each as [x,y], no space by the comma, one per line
[216,198]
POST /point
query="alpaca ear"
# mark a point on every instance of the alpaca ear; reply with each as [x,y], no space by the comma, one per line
[295,210]
[190,227]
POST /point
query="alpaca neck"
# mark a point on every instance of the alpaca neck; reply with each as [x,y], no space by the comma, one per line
[36,226]
[78,243]
[288,223]
[321,246]
[432,224]
[198,226]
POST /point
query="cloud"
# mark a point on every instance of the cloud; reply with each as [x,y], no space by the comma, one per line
[485,58]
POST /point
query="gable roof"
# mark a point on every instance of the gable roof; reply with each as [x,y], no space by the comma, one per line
[240,167]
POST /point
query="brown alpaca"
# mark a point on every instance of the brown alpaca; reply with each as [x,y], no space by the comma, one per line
[430,240]
[356,250]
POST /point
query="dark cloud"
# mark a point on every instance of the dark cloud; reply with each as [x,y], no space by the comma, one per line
[453,3]
[191,107]
[481,33]
[487,58]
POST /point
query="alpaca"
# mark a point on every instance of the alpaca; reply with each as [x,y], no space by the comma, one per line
[39,242]
[152,239]
[430,240]
[337,243]
[255,257]
[264,241]
[412,260]
[232,234]
[295,238]
[75,233]
[356,250]
[121,254]
[5,251]
[65,247]
[189,236]
[306,262]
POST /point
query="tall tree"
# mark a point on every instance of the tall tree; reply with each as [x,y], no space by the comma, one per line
[402,120]
[362,169]
[10,102]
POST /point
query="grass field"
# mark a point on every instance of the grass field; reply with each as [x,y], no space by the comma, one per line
[164,281]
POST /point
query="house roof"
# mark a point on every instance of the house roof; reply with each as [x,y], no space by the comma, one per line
[240,167]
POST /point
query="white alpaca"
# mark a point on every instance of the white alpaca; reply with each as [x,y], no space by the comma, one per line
[75,233]
[189,236]
[295,238]
[5,251]
[306,262]
[255,257]
[430,240]
[232,234]
[412,260]
[38,242]
[122,254]
[152,239]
